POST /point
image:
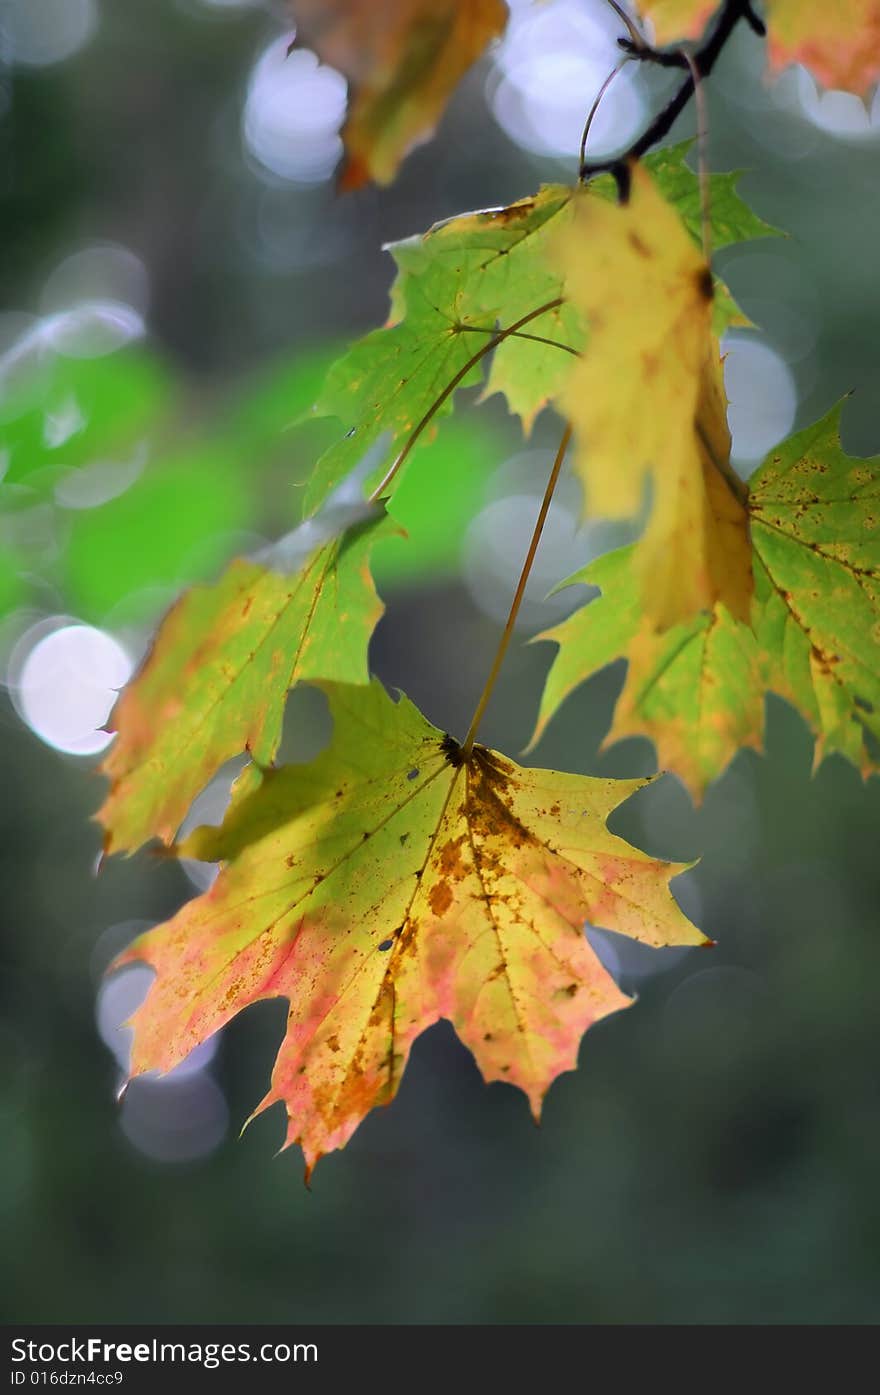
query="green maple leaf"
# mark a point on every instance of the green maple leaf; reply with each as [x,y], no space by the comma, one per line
[495,261]
[697,689]
[731,217]
[468,276]
[216,679]
[815,523]
[389,884]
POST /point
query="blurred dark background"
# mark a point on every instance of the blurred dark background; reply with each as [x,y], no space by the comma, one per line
[176,271]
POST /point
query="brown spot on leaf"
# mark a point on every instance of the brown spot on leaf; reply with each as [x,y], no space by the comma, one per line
[440,898]
[512,214]
[449,859]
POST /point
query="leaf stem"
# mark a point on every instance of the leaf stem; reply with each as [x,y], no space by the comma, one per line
[504,643]
[497,338]
[702,161]
[517,334]
[591,115]
[636,38]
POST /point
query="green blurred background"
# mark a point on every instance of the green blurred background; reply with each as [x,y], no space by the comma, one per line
[176,271]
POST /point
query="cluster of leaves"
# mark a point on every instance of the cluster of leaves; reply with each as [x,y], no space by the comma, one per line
[403,58]
[404,876]
[839,44]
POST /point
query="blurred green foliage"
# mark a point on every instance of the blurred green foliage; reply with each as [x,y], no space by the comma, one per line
[202,487]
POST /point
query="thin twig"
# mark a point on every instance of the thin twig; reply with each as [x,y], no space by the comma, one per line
[497,338]
[636,38]
[702,162]
[593,110]
[704,60]
[468,743]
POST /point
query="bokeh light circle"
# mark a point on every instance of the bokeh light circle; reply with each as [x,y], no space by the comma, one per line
[64,680]
[762,398]
[39,33]
[547,72]
[293,112]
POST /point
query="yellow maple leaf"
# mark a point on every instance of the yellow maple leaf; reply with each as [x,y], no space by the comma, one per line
[646,400]
[403,58]
[677,19]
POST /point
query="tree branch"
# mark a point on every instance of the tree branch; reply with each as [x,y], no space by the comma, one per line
[704,61]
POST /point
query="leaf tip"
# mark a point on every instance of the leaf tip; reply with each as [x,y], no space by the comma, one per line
[354,175]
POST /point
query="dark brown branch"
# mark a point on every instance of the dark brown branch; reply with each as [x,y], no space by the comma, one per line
[704,61]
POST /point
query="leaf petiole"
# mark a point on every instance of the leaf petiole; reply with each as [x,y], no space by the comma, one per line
[497,338]
[518,334]
[467,745]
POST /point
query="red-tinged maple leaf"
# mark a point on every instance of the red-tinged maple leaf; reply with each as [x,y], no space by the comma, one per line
[390,884]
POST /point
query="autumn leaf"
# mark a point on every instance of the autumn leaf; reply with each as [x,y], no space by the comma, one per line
[695,690]
[403,59]
[389,884]
[840,44]
[215,681]
[814,635]
[476,273]
[647,403]
[494,261]
[731,220]
[390,380]
[673,20]
[815,522]
[456,285]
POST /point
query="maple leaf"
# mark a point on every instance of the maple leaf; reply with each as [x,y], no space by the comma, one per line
[403,59]
[839,44]
[815,523]
[697,690]
[673,20]
[646,400]
[215,681]
[496,264]
[471,275]
[731,220]
[389,884]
